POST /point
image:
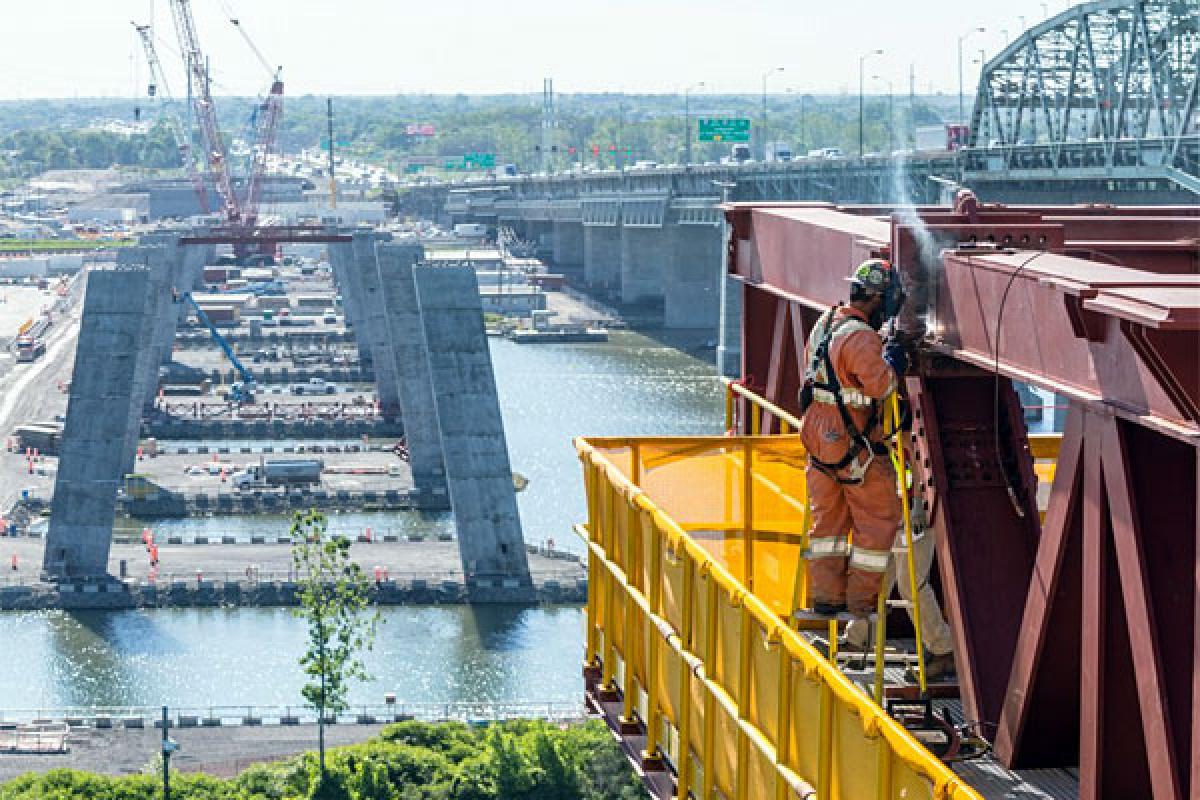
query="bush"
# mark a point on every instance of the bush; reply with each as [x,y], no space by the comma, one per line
[522,760]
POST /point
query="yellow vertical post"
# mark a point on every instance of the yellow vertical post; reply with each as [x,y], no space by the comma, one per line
[745,670]
[632,633]
[825,744]
[880,643]
[755,419]
[684,767]
[748,514]
[593,572]
[610,651]
[654,596]
[901,475]
[783,706]
[710,702]
[784,427]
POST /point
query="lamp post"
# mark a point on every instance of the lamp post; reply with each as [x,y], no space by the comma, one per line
[891,111]
[862,60]
[766,75]
[961,111]
[687,124]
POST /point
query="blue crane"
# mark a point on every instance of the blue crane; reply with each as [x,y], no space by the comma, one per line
[242,391]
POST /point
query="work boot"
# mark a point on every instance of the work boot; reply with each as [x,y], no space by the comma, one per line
[938,669]
[828,609]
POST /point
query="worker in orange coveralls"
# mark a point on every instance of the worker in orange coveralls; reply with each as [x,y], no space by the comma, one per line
[851,482]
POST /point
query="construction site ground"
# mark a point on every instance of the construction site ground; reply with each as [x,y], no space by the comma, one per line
[428,560]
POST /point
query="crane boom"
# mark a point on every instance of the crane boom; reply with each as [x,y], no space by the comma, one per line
[182,137]
[206,111]
[247,378]
[264,145]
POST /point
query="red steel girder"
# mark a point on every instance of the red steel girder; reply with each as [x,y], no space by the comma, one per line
[270,234]
[1078,640]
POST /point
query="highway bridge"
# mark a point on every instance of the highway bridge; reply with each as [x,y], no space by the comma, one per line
[1095,105]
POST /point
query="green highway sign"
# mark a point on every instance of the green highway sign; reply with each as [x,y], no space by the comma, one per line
[723,129]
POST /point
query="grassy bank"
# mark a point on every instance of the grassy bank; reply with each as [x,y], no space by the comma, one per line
[59,245]
[408,761]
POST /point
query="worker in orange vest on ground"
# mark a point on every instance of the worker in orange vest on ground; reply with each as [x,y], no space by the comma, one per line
[851,482]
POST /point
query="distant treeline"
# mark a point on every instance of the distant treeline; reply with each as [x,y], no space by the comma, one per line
[596,127]
[42,149]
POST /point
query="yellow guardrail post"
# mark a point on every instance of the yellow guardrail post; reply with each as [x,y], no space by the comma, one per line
[748,514]
[632,634]
[684,778]
[591,481]
[783,705]
[745,666]
[708,758]
[610,648]
[901,481]
[654,595]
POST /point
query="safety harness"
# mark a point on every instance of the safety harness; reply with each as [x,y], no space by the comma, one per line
[821,384]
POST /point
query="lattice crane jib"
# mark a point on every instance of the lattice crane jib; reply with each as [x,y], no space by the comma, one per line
[179,132]
[216,157]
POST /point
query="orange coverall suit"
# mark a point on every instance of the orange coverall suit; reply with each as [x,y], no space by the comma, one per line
[839,573]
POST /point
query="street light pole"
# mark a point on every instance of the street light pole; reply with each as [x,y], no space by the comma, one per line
[687,124]
[766,75]
[962,114]
[862,60]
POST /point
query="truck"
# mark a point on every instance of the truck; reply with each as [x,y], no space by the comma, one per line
[30,344]
[279,472]
[779,151]
[941,137]
[314,386]
[739,153]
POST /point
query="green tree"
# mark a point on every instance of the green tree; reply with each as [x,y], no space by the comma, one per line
[334,599]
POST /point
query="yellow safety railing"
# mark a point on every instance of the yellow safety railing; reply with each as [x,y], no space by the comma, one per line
[694,545]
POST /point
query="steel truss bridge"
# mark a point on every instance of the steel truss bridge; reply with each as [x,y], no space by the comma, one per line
[1106,89]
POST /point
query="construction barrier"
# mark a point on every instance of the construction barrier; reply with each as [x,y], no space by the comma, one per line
[694,546]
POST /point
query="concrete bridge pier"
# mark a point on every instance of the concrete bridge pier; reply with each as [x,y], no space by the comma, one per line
[568,246]
[363,270]
[341,257]
[478,474]
[395,263]
[602,257]
[98,418]
[153,306]
[645,251]
[692,277]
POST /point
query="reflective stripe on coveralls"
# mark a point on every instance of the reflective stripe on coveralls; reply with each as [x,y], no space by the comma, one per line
[828,547]
[869,560]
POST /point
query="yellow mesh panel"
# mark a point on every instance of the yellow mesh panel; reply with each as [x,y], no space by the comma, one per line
[856,763]
[763,708]
[805,734]
[725,746]
[729,645]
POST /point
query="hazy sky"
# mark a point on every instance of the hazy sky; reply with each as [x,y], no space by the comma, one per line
[65,48]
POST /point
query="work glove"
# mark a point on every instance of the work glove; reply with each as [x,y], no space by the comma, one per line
[895,354]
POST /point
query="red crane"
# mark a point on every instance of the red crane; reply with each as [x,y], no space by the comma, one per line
[205,110]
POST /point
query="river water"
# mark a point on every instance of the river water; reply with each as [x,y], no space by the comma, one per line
[549,394]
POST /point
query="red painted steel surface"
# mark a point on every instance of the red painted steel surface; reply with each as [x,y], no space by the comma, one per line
[1078,638]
